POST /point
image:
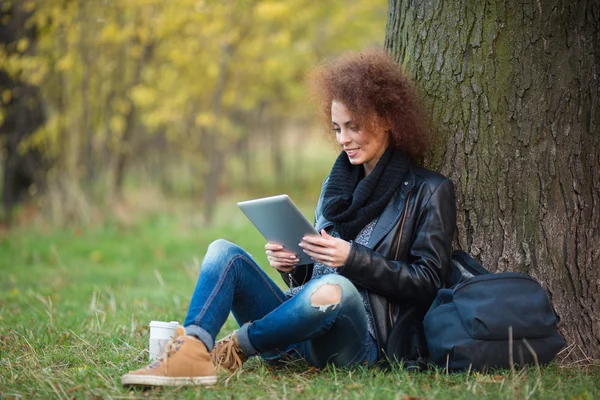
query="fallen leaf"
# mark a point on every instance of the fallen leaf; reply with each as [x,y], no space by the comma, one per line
[74,389]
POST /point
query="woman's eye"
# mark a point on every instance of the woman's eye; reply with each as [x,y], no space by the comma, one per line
[337,130]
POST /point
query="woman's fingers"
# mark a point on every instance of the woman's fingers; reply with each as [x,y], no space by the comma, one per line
[316,256]
[318,241]
[282,255]
[325,234]
[275,250]
[279,258]
[273,246]
[282,261]
[318,253]
[315,248]
[326,249]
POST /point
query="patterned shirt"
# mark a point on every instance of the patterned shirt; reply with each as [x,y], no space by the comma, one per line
[319,269]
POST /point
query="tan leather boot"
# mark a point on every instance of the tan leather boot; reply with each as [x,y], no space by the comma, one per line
[186,361]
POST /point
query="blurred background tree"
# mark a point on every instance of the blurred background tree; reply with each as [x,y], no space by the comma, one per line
[21,112]
[193,98]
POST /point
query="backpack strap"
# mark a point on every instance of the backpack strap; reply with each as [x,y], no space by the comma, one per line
[469,263]
[463,267]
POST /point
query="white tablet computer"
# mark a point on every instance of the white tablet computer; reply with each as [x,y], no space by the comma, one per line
[280,221]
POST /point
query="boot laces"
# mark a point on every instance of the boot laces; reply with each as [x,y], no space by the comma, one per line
[227,353]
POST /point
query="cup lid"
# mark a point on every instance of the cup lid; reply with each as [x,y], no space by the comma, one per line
[163,324]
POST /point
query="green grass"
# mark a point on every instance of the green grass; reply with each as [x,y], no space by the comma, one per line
[75,304]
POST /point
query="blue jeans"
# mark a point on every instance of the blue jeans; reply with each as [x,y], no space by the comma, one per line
[271,323]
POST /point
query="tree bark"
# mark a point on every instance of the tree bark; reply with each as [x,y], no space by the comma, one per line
[513,89]
[214,152]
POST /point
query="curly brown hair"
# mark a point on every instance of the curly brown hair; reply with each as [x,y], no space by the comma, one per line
[374,90]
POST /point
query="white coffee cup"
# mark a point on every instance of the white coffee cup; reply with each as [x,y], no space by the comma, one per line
[160,334]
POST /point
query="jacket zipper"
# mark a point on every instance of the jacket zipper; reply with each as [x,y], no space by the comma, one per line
[398,249]
[402,225]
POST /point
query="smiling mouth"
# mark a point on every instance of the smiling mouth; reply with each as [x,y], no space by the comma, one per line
[351,152]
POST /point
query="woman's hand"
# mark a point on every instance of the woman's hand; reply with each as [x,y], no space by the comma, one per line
[326,249]
[280,259]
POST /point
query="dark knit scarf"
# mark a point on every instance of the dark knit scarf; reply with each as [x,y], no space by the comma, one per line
[351,202]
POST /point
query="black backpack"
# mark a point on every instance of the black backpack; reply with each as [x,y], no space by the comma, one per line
[484,321]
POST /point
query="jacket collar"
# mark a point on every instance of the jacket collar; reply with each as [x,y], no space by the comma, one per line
[391,213]
[388,218]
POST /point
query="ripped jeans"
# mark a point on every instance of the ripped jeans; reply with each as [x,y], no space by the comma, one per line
[271,323]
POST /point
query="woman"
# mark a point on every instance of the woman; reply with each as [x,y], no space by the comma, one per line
[386,229]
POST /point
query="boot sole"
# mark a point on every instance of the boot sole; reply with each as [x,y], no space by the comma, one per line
[149,380]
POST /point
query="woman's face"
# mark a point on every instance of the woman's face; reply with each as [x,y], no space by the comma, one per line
[362,148]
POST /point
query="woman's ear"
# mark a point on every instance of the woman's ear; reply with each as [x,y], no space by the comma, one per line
[384,123]
[387,124]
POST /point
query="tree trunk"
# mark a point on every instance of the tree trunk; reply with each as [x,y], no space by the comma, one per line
[277,151]
[86,127]
[212,176]
[215,153]
[22,113]
[125,150]
[513,90]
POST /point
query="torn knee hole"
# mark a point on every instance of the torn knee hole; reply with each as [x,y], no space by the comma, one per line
[325,296]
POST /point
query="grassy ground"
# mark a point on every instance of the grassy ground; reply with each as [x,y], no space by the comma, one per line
[75,304]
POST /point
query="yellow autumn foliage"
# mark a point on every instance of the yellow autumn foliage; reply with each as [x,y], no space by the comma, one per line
[116,74]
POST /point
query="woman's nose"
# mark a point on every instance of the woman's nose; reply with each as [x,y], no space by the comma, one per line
[343,137]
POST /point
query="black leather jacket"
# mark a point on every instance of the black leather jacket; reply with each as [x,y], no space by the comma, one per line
[406,261]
